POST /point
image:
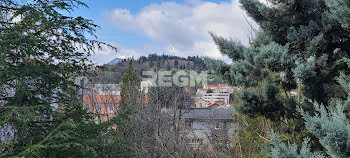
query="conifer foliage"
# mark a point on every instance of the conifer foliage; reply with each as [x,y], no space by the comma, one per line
[42,52]
[130,93]
[299,40]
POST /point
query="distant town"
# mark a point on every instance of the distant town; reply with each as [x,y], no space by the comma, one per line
[206,117]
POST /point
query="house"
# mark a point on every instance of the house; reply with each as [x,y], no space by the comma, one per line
[222,99]
[104,106]
[208,126]
[214,105]
[219,94]
[101,100]
[102,89]
[200,103]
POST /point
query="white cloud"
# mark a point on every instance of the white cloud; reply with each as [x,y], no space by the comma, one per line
[107,54]
[126,20]
[185,27]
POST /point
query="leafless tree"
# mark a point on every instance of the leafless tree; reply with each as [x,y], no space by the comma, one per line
[157,126]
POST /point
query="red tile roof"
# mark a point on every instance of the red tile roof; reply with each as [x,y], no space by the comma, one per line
[215,103]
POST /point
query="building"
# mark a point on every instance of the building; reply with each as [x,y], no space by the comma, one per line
[102,89]
[102,100]
[201,103]
[222,99]
[208,126]
[146,84]
[219,94]
[104,106]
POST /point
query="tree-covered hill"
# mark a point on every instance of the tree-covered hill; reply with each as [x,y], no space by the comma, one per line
[112,73]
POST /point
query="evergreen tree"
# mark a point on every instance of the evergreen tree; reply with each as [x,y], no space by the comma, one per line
[150,63]
[42,52]
[281,150]
[289,47]
[176,63]
[214,65]
[130,93]
[331,128]
[306,41]
[132,103]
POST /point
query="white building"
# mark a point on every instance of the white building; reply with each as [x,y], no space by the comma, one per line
[214,94]
[222,99]
[146,84]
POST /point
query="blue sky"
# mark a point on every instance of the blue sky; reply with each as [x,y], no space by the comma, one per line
[178,27]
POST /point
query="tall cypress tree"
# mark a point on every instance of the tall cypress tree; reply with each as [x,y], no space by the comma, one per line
[130,93]
[176,64]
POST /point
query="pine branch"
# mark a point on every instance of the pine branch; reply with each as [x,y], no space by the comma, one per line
[8,8]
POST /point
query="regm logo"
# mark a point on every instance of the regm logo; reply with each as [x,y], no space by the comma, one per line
[178,78]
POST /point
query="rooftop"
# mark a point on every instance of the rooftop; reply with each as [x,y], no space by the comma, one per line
[209,114]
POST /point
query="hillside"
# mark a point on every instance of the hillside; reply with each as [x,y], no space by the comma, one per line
[112,73]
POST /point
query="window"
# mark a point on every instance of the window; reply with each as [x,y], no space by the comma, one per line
[87,107]
[98,107]
[199,125]
[111,108]
[189,124]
